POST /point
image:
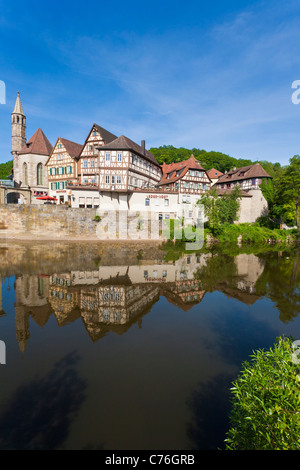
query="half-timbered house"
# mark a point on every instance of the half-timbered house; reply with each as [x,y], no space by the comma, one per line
[127,166]
[247,177]
[187,177]
[89,162]
[62,168]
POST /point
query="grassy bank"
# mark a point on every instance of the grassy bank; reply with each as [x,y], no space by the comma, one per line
[250,234]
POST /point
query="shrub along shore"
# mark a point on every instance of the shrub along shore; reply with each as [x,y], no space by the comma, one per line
[250,234]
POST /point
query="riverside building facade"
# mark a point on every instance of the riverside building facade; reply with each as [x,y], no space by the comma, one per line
[62,168]
[110,172]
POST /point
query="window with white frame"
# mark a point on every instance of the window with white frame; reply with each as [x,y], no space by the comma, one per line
[119,157]
[107,179]
[107,157]
[92,163]
[119,179]
[166,202]
[84,163]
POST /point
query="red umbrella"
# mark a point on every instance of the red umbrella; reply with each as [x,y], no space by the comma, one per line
[47,198]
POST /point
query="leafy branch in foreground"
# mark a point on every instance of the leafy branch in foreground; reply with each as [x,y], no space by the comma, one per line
[265,413]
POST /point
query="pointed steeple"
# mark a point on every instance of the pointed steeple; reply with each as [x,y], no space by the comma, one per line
[18,132]
[18,106]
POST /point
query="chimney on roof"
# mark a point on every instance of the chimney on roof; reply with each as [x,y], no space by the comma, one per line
[143,147]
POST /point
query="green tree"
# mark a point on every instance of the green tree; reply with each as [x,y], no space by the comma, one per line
[289,187]
[5,170]
[221,209]
[211,205]
[229,205]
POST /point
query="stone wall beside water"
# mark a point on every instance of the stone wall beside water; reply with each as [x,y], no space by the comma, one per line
[47,222]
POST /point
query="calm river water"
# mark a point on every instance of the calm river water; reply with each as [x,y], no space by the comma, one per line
[128,347]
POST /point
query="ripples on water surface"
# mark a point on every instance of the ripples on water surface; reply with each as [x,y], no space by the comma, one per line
[128,347]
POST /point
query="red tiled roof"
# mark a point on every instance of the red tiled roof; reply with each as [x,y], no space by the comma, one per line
[72,148]
[245,172]
[38,144]
[213,173]
[174,171]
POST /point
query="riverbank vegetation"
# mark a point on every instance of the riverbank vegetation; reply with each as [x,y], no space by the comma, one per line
[250,234]
[231,239]
[265,402]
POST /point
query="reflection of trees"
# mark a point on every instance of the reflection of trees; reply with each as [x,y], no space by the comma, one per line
[40,413]
[219,269]
[210,405]
[280,282]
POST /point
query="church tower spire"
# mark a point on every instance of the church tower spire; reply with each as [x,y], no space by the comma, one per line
[18,133]
[18,126]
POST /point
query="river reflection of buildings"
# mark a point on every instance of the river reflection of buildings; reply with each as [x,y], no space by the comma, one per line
[113,298]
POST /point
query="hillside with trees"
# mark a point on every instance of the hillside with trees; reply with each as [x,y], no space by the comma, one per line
[209,160]
[5,170]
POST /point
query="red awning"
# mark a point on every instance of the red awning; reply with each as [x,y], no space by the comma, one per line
[47,198]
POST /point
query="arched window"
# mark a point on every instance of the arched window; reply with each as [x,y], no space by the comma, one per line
[40,174]
[25,174]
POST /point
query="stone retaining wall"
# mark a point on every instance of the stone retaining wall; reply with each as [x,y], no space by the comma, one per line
[47,222]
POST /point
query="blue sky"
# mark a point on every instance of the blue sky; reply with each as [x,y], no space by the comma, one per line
[211,75]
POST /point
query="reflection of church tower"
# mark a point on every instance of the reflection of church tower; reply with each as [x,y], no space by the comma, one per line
[18,135]
[22,327]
